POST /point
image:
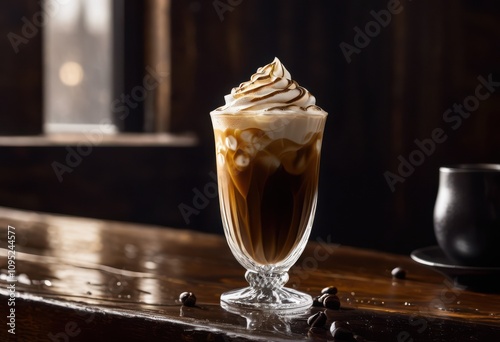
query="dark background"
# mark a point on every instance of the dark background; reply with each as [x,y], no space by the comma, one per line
[395,90]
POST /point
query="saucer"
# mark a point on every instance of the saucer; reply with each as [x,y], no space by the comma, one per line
[484,279]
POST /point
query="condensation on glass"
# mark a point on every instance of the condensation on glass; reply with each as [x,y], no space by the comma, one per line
[77,64]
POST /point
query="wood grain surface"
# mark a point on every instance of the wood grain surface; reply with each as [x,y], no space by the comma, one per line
[91,280]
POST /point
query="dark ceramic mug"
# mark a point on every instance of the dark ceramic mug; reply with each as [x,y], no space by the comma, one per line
[467,214]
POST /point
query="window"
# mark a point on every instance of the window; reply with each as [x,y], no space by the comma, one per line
[97,55]
[77,54]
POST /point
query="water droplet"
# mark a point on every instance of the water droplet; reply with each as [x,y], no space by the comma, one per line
[353,293]
[150,265]
[128,296]
[47,283]
[24,279]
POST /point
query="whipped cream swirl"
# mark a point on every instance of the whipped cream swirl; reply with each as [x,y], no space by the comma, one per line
[270,90]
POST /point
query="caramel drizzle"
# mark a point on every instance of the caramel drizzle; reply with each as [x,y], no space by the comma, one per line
[271,76]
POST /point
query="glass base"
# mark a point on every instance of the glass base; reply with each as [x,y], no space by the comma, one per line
[288,301]
[266,293]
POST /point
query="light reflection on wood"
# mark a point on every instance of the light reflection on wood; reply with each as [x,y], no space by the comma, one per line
[107,267]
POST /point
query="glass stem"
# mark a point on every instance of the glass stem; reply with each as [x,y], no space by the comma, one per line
[268,285]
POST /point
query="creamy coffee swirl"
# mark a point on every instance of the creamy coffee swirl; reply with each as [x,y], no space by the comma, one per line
[270,90]
[268,140]
[267,186]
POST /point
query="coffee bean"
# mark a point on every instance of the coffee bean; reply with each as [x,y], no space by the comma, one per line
[312,318]
[338,324]
[341,333]
[329,290]
[398,273]
[317,320]
[187,298]
[316,302]
[322,298]
[331,302]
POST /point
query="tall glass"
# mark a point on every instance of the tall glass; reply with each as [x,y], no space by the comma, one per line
[268,168]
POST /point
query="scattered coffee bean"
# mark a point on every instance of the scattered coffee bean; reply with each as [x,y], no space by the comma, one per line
[311,319]
[187,298]
[322,298]
[316,302]
[341,333]
[331,302]
[398,273]
[338,324]
[317,320]
[329,290]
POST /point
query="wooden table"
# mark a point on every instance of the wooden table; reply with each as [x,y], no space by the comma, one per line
[90,280]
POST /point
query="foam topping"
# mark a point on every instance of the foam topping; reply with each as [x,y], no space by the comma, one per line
[270,90]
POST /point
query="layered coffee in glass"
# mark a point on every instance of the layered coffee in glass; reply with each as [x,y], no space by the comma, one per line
[268,142]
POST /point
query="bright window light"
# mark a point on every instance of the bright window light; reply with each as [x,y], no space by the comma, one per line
[77,57]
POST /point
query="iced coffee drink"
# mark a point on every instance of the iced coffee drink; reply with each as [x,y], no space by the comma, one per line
[268,141]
